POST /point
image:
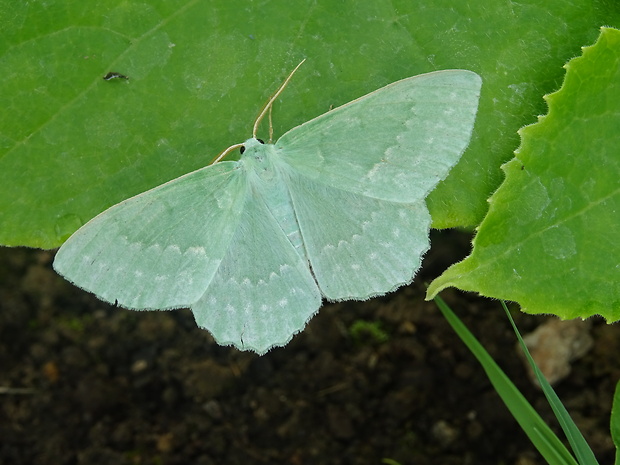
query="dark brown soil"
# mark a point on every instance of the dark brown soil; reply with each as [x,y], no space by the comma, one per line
[85,383]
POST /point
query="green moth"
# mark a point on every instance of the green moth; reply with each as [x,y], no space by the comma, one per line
[335,209]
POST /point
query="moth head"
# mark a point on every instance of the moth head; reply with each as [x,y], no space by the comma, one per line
[250,144]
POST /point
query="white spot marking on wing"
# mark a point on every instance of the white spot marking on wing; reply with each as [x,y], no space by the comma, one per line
[197,251]
[172,248]
[374,170]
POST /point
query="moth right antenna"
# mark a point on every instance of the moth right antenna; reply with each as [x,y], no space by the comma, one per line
[268,105]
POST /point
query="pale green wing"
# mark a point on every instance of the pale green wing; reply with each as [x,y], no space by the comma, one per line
[395,143]
[159,249]
[263,292]
[358,246]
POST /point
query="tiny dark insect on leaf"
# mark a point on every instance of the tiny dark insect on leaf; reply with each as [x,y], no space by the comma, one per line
[114,75]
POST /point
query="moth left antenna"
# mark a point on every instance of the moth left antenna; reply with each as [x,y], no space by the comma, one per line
[225,152]
[269,104]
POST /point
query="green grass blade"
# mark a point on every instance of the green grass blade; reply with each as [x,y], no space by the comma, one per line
[615,422]
[582,451]
[532,424]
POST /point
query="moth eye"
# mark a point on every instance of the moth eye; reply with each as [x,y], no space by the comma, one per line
[242,149]
[261,141]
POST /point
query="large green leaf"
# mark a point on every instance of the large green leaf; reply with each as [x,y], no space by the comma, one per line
[550,240]
[72,144]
